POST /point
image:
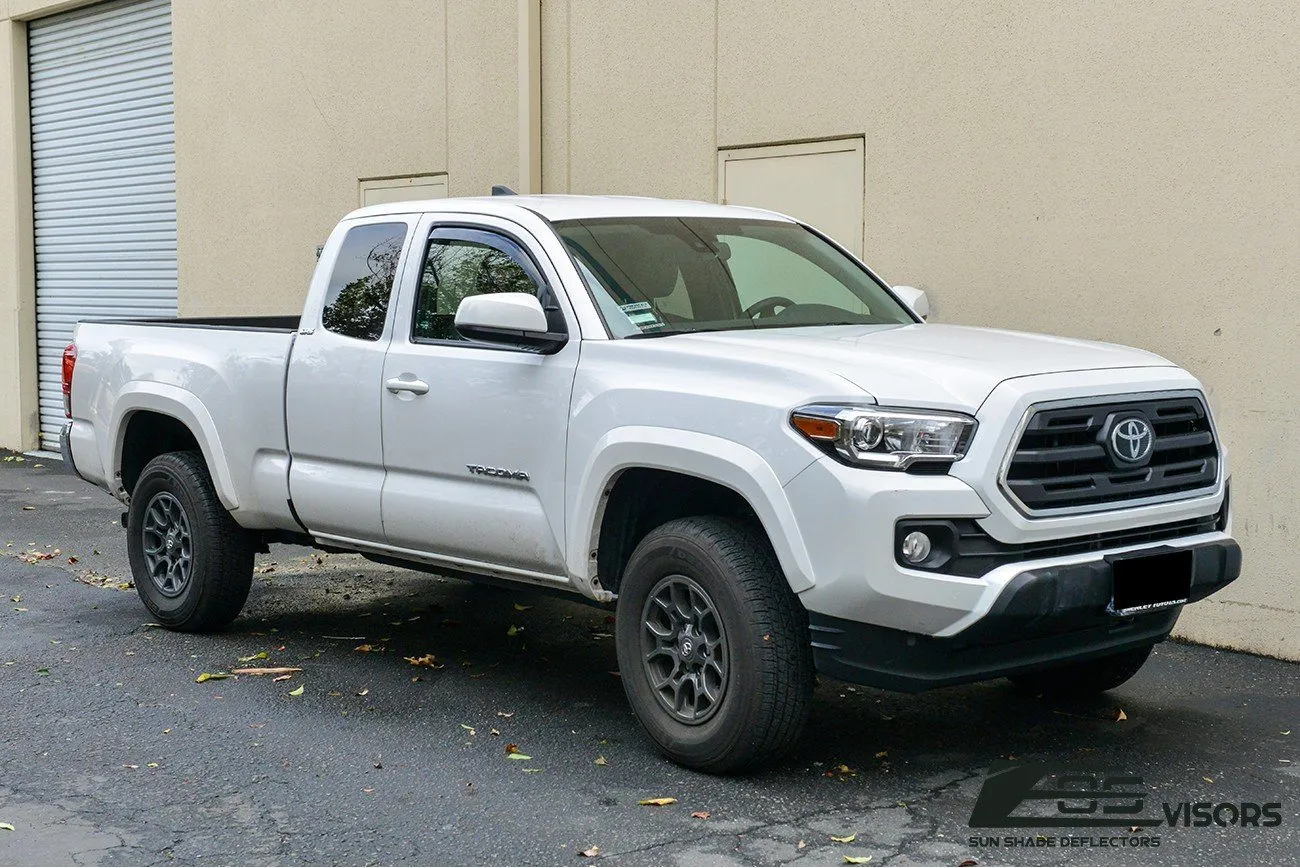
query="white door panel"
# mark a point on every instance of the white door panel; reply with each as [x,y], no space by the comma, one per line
[335,382]
[498,411]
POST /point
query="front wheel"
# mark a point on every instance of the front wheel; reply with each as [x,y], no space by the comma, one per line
[192,564]
[1088,677]
[713,646]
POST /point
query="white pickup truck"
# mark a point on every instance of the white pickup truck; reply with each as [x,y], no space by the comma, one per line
[713,416]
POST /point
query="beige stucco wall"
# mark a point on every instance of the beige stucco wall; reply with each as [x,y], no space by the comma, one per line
[282,107]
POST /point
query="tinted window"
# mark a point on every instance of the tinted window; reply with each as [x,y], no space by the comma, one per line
[464,262]
[668,275]
[356,302]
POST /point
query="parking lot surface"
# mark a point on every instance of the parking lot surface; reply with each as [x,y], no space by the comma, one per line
[113,753]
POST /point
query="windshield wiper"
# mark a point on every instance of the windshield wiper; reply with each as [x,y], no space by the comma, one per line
[664,332]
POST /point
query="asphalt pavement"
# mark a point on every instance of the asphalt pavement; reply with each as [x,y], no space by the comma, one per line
[112,753]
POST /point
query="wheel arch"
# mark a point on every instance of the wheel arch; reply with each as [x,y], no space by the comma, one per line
[728,477]
[153,418]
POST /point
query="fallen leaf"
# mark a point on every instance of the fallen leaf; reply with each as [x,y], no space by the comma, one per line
[514,631]
[882,754]
[531,771]
[802,843]
[152,765]
[9,827]
[505,714]
[601,761]
[842,771]
[298,692]
[266,670]
[367,790]
[367,648]
[516,755]
[29,509]
[363,691]
[845,839]
[857,860]
[1207,780]
[519,607]
[591,852]
[494,731]
[469,729]
[658,803]
[130,766]
[260,655]
[428,661]
[282,678]
[211,676]
[700,815]
[1121,716]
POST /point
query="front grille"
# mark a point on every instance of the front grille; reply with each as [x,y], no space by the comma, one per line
[1063,459]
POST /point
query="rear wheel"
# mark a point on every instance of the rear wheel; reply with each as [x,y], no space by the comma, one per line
[713,646]
[1090,676]
[192,564]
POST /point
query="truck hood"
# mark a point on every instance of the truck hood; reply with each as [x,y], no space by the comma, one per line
[922,365]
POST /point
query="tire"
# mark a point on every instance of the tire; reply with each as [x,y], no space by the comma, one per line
[758,634]
[1088,677]
[200,582]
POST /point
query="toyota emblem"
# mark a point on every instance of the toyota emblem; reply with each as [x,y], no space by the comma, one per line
[1131,440]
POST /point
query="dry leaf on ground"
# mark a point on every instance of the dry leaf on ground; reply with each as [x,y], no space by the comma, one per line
[658,803]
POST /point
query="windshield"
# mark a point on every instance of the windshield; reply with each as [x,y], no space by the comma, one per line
[670,275]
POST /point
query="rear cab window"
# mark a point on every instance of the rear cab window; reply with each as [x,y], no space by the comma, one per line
[361,284]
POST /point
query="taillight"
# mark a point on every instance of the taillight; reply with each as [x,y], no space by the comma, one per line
[69,362]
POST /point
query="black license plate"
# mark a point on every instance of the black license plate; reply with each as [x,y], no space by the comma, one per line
[1144,583]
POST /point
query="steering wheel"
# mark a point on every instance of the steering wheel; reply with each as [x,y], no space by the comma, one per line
[767,306]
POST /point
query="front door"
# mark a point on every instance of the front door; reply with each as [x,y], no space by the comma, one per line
[474,435]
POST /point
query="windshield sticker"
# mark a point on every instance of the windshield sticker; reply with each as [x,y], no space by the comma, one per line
[641,314]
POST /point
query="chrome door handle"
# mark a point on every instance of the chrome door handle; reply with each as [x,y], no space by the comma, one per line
[397,384]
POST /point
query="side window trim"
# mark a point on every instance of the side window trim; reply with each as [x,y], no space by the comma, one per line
[489,235]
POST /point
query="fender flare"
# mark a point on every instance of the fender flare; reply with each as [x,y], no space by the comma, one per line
[186,408]
[694,454]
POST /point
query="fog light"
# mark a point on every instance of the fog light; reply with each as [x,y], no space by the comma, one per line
[916,547]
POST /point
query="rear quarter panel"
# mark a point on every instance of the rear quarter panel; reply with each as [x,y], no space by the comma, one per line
[225,384]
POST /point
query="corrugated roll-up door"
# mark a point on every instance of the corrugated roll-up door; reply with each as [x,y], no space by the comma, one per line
[104,175]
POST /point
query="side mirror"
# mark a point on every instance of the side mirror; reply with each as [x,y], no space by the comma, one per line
[511,318]
[914,298]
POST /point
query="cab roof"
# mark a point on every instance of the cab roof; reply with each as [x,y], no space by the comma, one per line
[567,207]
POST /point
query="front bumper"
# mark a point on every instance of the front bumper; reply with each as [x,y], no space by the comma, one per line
[1043,617]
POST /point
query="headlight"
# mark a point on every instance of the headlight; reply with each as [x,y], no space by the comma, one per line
[880,437]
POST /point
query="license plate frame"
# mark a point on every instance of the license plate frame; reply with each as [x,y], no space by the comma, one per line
[1149,581]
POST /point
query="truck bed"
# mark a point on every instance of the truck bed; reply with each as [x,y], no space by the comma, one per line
[223,377]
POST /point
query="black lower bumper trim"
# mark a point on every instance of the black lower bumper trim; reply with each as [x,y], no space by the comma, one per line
[1043,618]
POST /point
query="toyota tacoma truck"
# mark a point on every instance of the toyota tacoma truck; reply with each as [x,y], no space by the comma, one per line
[713,418]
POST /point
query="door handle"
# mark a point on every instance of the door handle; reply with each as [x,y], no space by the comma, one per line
[397,384]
